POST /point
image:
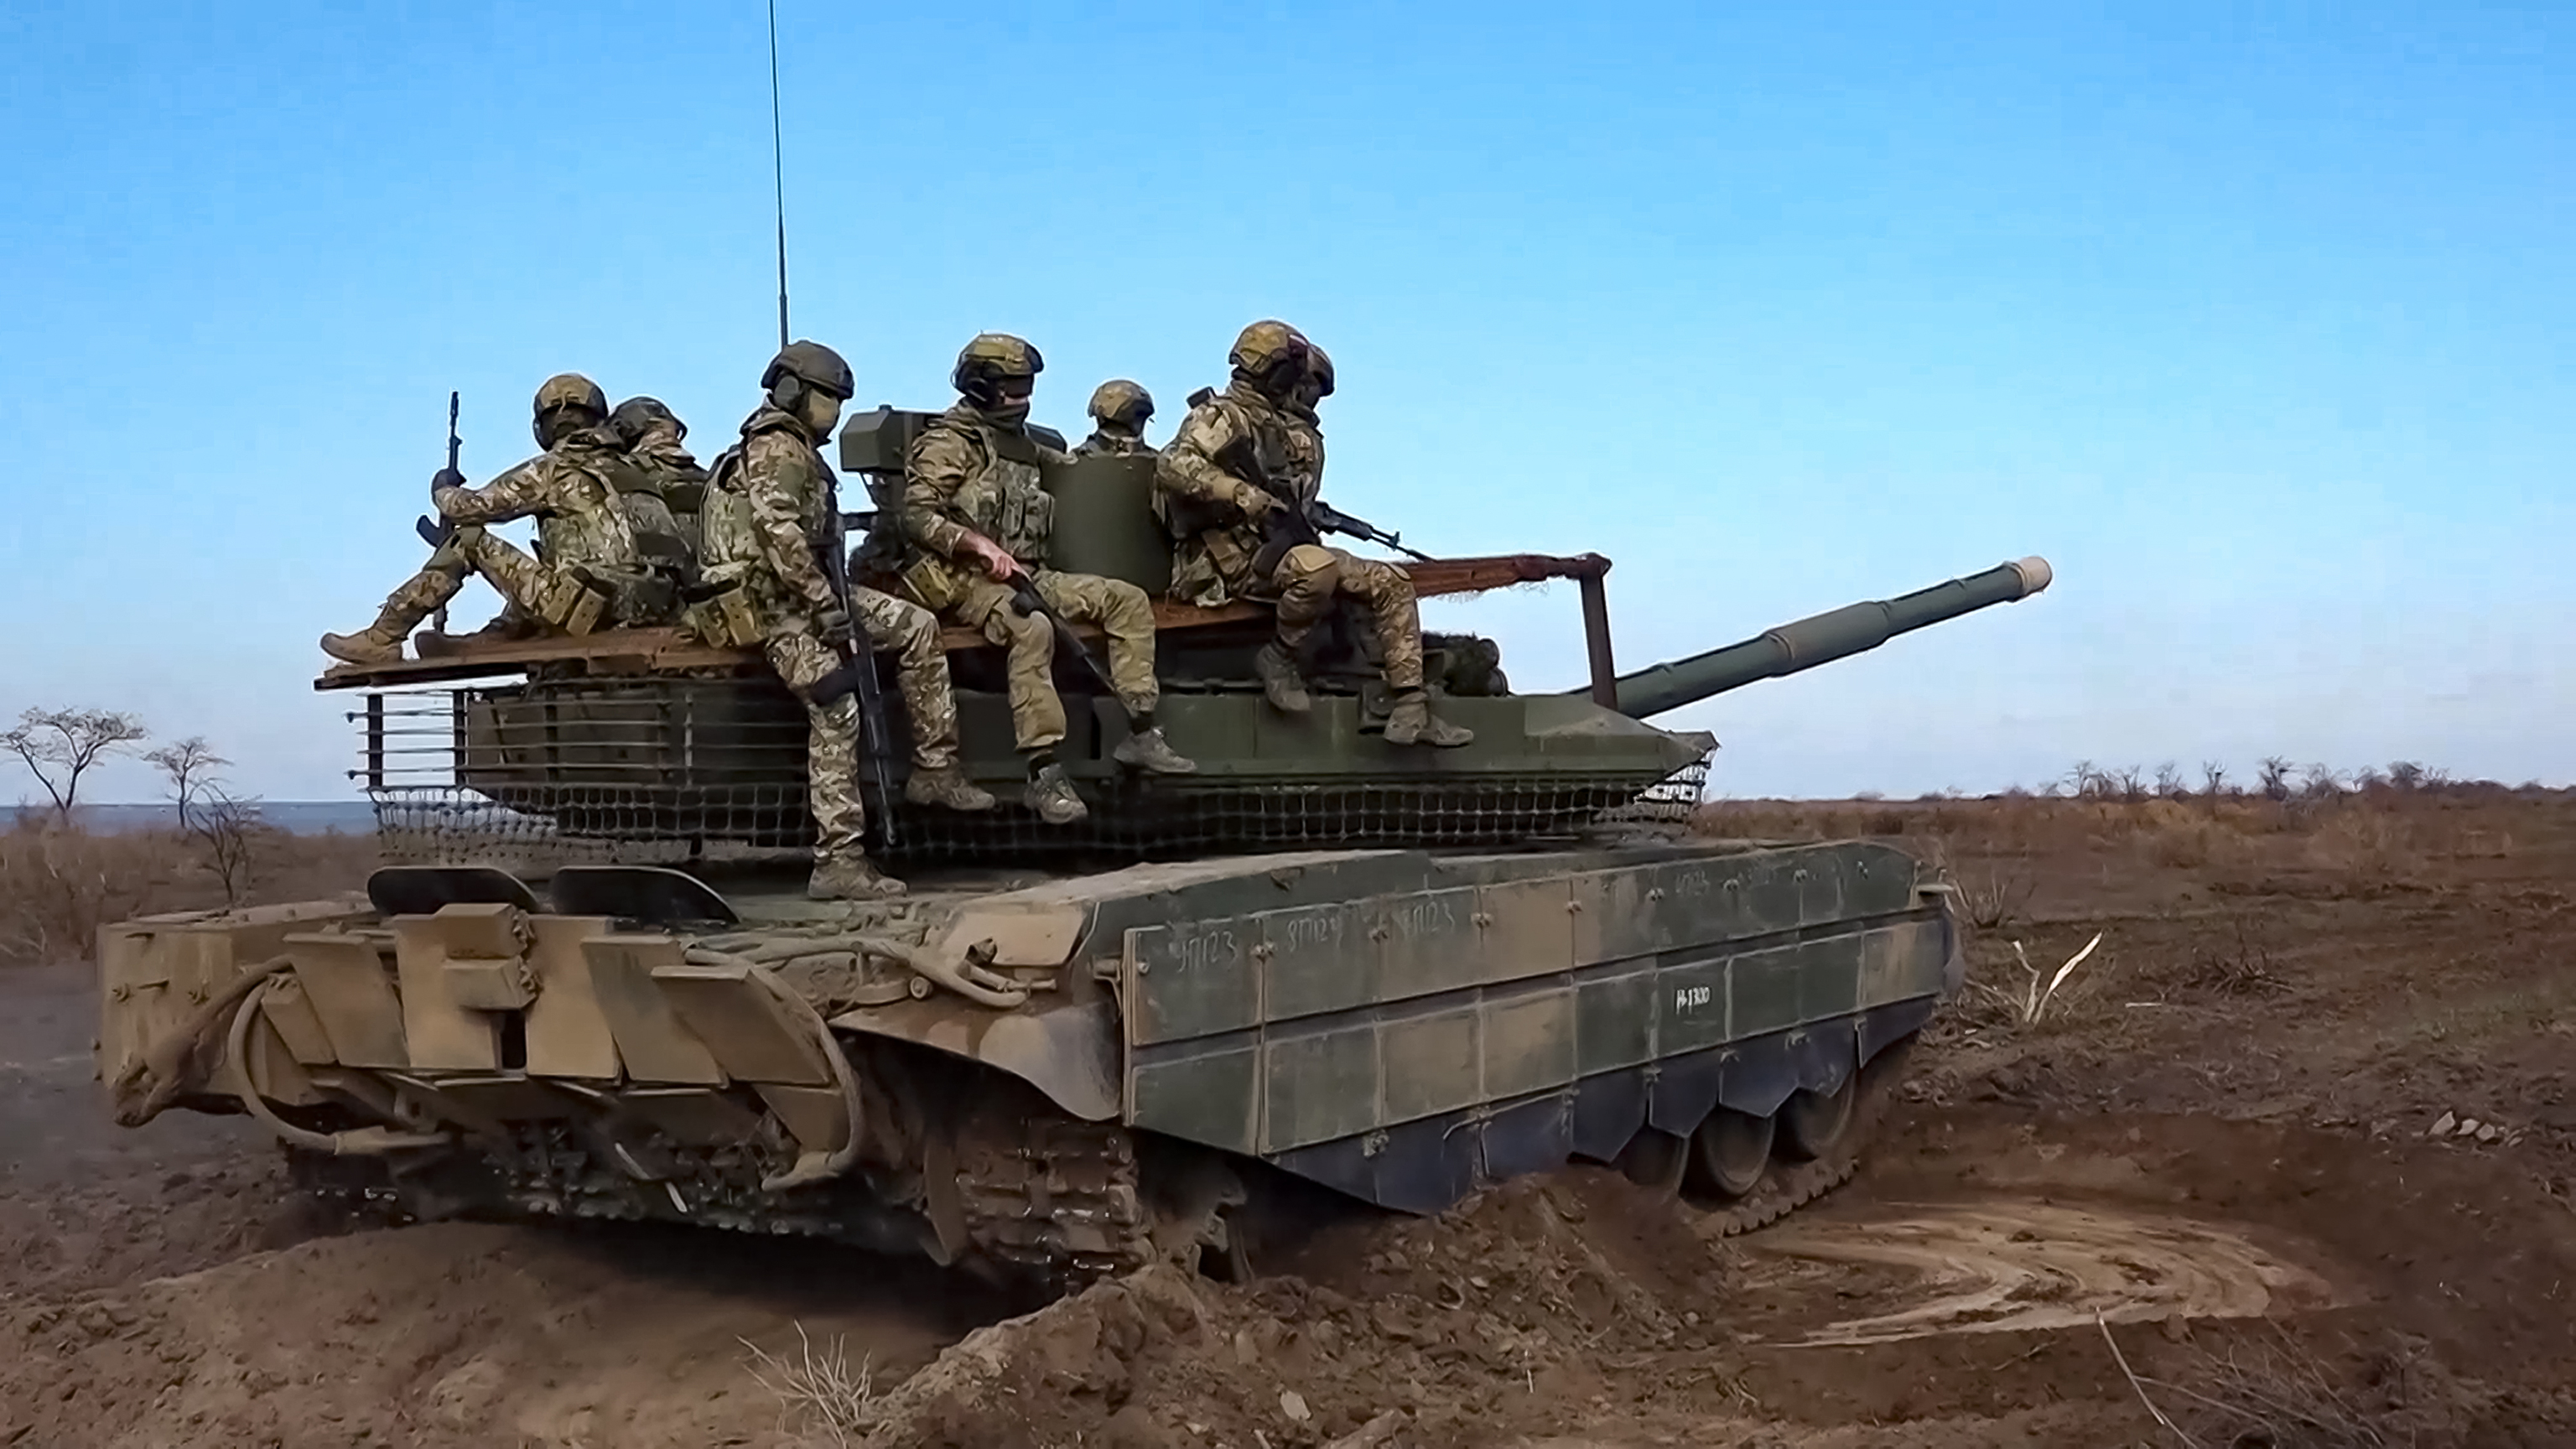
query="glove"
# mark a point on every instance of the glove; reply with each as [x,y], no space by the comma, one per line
[445,478]
[834,626]
[997,562]
[1254,502]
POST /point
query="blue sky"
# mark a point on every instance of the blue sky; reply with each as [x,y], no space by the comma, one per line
[2253,319]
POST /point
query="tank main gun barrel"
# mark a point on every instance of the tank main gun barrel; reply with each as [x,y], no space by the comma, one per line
[1823,638]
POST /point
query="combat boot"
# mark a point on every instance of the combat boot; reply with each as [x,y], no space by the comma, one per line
[1051,795]
[946,786]
[375,644]
[381,642]
[1146,749]
[1411,722]
[850,878]
[1281,683]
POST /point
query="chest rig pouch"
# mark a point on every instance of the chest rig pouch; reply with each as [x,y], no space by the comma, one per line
[1004,501]
[721,611]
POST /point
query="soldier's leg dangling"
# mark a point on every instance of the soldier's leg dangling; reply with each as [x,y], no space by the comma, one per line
[1126,616]
[911,632]
[841,867]
[1037,715]
[1387,593]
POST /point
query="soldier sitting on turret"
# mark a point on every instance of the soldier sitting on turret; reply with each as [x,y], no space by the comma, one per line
[1254,451]
[978,524]
[588,570]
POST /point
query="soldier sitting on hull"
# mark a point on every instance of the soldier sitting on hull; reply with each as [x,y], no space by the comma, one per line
[977,524]
[588,570]
[1119,412]
[1252,451]
[653,437]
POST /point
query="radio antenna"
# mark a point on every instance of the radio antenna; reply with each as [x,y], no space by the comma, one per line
[778,173]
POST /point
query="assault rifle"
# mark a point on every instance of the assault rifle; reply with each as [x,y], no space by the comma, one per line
[857,674]
[1024,597]
[434,532]
[1290,526]
[1332,520]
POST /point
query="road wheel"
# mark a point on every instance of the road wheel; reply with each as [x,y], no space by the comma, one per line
[1655,1159]
[1813,1124]
[1729,1151]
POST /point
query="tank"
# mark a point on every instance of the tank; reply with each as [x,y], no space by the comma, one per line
[1323,971]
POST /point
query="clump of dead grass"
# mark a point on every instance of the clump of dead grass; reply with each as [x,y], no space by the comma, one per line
[2241,967]
[2370,844]
[58,886]
[2029,1004]
[822,1399]
[2274,1394]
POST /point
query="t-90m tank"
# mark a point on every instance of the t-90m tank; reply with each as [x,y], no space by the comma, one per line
[587,983]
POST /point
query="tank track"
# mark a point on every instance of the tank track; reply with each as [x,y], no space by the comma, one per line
[1054,1202]
[1788,1186]
[1060,1205]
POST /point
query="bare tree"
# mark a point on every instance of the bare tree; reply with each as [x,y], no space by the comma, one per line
[2406,775]
[2213,779]
[59,746]
[226,827]
[2169,782]
[2275,777]
[2132,783]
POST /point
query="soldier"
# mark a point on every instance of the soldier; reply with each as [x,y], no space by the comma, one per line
[1119,412]
[1242,455]
[587,568]
[653,437]
[770,520]
[976,522]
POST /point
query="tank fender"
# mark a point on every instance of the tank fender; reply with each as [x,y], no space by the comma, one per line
[1015,935]
[1068,1050]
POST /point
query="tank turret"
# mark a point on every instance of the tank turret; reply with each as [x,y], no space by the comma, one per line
[640,745]
[1822,639]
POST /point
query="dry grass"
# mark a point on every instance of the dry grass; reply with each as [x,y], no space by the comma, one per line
[822,1400]
[58,886]
[2276,1395]
[2369,826]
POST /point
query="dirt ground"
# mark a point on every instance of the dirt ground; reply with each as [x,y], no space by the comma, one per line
[2205,1183]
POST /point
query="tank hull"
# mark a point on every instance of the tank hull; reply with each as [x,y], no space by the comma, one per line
[1057,1080]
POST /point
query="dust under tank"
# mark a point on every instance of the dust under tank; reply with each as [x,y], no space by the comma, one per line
[588,982]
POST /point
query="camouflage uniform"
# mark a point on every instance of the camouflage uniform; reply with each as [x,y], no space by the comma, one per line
[587,569]
[772,513]
[1259,446]
[653,436]
[1119,412]
[736,554]
[973,475]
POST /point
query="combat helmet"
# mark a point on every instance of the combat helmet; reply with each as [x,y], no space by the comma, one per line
[992,358]
[1121,404]
[565,390]
[1269,355]
[814,365]
[637,416]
